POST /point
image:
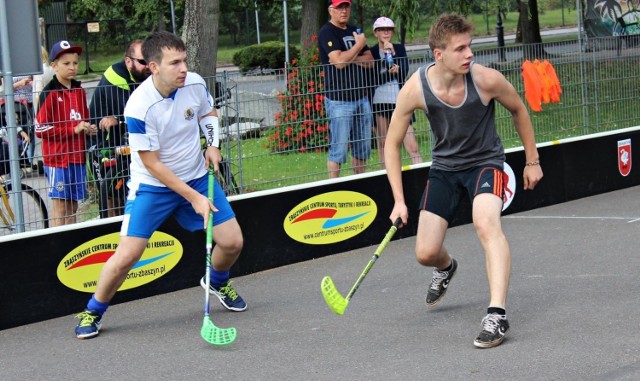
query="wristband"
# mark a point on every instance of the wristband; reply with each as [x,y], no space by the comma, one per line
[210,128]
[532,163]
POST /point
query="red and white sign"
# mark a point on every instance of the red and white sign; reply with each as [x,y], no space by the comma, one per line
[509,183]
[624,157]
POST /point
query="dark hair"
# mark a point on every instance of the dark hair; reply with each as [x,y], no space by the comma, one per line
[153,45]
[129,52]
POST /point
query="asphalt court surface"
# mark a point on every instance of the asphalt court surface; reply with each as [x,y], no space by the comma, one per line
[573,307]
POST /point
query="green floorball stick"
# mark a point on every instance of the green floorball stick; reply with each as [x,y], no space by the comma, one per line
[209,332]
[334,300]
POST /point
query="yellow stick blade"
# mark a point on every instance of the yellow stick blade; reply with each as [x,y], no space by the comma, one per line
[334,300]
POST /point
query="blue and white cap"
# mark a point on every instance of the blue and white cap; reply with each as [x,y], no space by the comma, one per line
[62,47]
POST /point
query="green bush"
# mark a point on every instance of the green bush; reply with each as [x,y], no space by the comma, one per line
[268,55]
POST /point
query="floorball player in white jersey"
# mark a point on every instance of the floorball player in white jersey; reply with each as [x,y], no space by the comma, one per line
[165,117]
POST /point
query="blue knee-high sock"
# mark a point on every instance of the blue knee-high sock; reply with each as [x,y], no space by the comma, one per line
[219,277]
[97,306]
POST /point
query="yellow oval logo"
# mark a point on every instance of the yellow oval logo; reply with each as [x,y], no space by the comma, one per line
[79,270]
[330,217]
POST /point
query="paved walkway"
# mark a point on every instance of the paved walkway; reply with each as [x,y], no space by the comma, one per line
[573,309]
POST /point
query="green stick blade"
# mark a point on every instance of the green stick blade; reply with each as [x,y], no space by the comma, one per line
[215,335]
[334,300]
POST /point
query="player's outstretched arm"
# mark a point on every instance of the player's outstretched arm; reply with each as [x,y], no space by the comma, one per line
[409,99]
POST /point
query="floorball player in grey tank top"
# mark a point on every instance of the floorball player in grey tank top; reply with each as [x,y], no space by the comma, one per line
[459,98]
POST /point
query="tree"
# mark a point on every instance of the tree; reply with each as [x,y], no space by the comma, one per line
[403,12]
[200,34]
[141,16]
[528,32]
[314,14]
[234,23]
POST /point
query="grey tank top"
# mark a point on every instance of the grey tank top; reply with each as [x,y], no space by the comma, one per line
[465,135]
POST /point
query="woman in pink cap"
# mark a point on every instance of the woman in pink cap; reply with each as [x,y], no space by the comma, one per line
[390,72]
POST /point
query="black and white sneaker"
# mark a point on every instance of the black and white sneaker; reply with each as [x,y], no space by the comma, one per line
[440,283]
[494,327]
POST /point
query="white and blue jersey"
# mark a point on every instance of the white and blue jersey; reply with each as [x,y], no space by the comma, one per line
[156,123]
[169,126]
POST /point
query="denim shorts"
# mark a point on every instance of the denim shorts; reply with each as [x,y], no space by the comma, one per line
[349,124]
[149,206]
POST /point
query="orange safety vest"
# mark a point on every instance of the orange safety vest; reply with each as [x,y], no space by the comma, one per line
[541,83]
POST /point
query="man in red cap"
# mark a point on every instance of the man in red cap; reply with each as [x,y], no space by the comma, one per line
[346,56]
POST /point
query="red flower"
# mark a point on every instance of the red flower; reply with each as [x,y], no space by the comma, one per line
[301,124]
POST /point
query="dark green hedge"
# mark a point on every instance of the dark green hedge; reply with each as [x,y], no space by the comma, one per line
[267,55]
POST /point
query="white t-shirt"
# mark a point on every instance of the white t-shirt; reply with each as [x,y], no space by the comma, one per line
[41,80]
[169,125]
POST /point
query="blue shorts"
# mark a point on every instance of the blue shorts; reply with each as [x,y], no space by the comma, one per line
[445,189]
[350,123]
[68,183]
[149,206]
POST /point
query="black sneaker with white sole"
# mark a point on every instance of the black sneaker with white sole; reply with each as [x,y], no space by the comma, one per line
[494,327]
[440,283]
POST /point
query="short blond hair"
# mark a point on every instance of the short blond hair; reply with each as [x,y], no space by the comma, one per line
[445,26]
[45,55]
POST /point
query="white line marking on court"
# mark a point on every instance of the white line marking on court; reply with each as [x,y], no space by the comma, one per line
[575,276]
[628,219]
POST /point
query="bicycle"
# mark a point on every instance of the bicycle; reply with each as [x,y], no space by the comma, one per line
[24,121]
[110,167]
[34,208]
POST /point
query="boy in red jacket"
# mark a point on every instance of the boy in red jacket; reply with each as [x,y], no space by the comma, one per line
[61,123]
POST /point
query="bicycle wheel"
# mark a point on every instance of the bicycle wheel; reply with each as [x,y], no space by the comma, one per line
[226,179]
[34,208]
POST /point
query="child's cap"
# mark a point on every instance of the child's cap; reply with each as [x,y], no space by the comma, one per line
[383,22]
[62,47]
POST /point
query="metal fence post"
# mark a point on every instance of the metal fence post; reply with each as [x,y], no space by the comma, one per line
[12,129]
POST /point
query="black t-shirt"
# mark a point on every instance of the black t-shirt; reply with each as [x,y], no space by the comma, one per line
[348,83]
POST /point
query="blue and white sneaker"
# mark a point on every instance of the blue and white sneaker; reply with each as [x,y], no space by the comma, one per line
[227,295]
[89,325]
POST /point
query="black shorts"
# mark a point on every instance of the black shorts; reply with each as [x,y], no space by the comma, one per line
[386,109]
[445,189]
